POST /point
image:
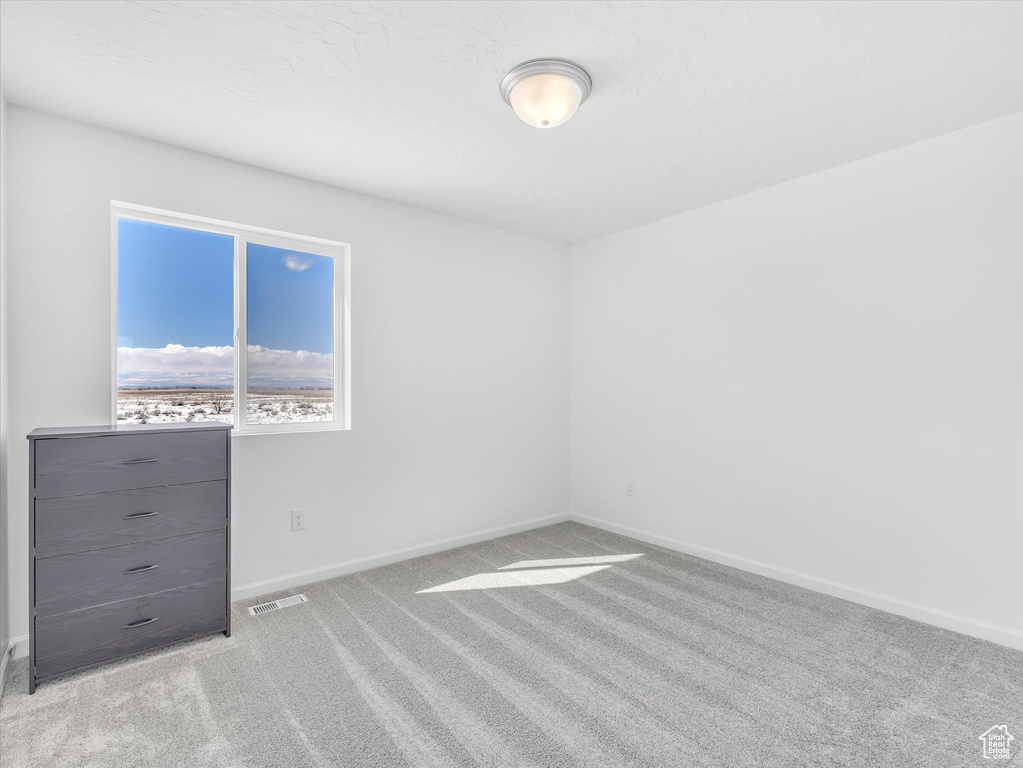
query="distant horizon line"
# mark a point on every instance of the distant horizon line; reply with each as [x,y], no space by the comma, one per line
[212,386]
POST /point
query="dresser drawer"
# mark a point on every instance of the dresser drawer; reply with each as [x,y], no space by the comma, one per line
[68,467]
[79,523]
[74,640]
[85,579]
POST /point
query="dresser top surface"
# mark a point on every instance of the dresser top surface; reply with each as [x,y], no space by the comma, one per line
[128,429]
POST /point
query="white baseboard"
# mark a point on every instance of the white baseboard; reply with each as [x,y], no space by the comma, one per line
[935,616]
[8,652]
[20,647]
[288,581]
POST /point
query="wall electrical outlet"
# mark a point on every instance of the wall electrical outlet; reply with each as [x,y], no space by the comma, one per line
[298,519]
[630,488]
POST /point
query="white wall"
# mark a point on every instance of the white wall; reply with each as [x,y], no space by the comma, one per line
[5,632]
[459,351]
[822,381]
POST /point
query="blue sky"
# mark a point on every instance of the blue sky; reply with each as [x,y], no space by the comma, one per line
[174,286]
[175,314]
[290,299]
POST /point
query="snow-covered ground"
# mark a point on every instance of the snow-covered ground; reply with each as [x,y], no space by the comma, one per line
[286,406]
[265,406]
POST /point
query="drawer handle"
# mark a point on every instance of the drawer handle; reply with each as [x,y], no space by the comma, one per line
[140,461]
[142,569]
[138,515]
[140,623]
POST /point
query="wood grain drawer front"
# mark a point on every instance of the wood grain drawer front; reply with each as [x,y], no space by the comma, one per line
[73,466]
[79,523]
[86,579]
[74,640]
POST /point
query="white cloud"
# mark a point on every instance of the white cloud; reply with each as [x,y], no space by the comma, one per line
[181,366]
[298,262]
[284,367]
[175,365]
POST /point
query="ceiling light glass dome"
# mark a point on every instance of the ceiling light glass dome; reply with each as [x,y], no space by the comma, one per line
[545,93]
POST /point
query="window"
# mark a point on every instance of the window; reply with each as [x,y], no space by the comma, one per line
[223,322]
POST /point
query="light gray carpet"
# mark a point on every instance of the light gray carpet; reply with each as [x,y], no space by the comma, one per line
[658,660]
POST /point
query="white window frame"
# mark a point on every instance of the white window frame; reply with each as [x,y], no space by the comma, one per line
[244,234]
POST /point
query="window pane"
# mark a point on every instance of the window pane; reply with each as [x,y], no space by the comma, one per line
[290,336]
[175,324]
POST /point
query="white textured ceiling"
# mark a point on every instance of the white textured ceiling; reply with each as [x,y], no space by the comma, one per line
[693,102]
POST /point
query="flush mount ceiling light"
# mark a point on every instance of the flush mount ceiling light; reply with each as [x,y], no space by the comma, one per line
[546,92]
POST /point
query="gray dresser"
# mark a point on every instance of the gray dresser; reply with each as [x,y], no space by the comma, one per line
[129,541]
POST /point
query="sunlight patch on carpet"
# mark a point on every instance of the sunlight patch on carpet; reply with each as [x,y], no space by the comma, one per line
[570,561]
[505,579]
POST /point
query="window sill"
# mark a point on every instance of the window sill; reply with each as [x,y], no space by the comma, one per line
[320,430]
